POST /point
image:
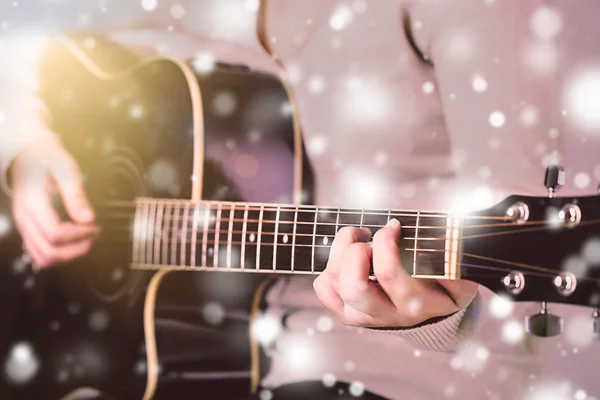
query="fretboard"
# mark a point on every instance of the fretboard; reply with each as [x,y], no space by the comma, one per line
[257,237]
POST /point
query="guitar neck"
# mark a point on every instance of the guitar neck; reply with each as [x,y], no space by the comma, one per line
[277,238]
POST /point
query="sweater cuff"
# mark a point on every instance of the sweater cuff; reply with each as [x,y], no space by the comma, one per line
[446,334]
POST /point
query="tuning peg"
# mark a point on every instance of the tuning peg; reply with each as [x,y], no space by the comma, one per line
[554,179]
[544,324]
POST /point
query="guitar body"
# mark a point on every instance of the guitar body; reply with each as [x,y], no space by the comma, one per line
[151,128]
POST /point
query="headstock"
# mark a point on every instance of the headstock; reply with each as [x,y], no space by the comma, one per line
[544,249]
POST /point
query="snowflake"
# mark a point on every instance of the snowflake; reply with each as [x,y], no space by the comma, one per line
[470,357]
[501,306]
[203,63]
[575,265]
[162,175]
[177,11]
[497,119]
[546,22]
[265,329]
[5,225]
[582,99]
[513,331]
[136,111]
[529,116]
[329,380]
[428,87]
[356,389]
[579,330]
[324,323]
[341,17]
[22,363]
[591,250]
[541,57]
[316,85]
[224,104]
[479,83]
[213,313]
[149,5]
[582,180]
[99,320]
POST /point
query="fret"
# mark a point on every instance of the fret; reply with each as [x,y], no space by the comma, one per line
[325,231]
[186,215]
[389,215]
[259,236]
[137,220]
[284,229]
[304,235]
[217,235]
[362,217]
[314,236]
[195,223]
[158,233]
[294,236]
[244,227]
[229,234]
[416,241]
[151,232]
[276,237]
[175,233]
[337,220]
[165,232]
[205,228]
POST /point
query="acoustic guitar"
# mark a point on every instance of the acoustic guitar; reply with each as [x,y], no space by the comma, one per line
[202,169]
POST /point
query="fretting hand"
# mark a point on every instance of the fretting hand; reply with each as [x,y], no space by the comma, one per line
[396,299]
[38,173]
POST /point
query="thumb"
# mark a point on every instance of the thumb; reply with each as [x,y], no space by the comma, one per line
[69,184]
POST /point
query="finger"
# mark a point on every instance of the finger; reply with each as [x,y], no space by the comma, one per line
[47,254]
[328,296]
[343,239]
[42,214]
[68,180]
[388,269]
[355,287]
[462,292]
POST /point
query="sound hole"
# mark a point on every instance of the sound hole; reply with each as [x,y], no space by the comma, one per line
[112,190]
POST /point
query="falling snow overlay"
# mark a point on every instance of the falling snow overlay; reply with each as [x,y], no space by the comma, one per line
[466,111]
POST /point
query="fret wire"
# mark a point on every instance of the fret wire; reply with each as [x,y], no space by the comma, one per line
[294,237]
[389,215]
[312,261]
[337,220]
[186,215]
[362,216]
[205,235]
[144,231]
[245,223]
[260,220]
[151,233]
[195,223]
[165,245]
[217,233]
[136,233]
[229,234]
[275,238]
[174,236]
[415,251]
[158,233]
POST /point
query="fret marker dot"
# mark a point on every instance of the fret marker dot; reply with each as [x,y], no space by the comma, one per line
[285,238]
[252,237]
[211,252]
[325,240]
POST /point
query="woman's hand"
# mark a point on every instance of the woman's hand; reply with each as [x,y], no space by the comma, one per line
[396,299]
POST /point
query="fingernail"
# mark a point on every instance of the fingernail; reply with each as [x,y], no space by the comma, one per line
[366,231]
[392,223]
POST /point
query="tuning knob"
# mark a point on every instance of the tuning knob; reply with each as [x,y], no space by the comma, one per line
[544,324]
[555,179]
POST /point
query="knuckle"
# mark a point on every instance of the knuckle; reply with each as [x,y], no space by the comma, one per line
[384,272]
[53,235]
[347,232]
